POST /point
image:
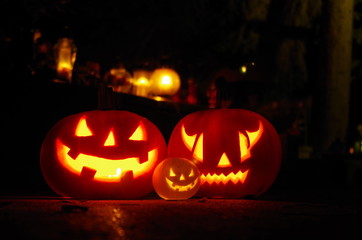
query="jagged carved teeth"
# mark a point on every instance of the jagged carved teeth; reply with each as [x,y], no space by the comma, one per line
[221,178]
[103,169]
[180,188]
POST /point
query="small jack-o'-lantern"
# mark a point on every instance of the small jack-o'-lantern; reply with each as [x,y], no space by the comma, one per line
[176,179]
[102,154]
[238,151]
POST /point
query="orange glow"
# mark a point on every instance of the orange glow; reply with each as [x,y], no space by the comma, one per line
[107,170]
[110,139]
[253,139]
[255,136]
[243,69]
[65,57]
[192,173]
[180,188]
[195,145]
[217,179]
[172,173]
[165,81]
[176,179]
[199,151]
[244,150]
[139,134]
[141,86]
[82,129]
[224,161]
[190,142]
[182,177]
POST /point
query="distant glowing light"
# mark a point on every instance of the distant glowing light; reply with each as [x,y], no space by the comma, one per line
[166,80]
[142,81]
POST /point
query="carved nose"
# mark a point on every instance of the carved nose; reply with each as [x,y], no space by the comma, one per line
[110,139]
[224,161]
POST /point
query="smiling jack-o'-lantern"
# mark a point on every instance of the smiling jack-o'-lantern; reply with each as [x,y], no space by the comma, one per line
[102,154]
[238,151]
[176,179]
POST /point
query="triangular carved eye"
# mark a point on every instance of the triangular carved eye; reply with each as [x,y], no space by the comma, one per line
[139,134]
[192,173]
[82,129]
[172,173]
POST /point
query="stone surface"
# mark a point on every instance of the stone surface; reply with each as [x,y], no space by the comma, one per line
[62,218]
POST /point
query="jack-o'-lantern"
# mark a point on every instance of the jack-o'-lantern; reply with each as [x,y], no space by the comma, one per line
[102,154]
[176,179]
[238,151]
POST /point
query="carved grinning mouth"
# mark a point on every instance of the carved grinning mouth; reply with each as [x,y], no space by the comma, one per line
[235,178]
[179,188]
[105,170]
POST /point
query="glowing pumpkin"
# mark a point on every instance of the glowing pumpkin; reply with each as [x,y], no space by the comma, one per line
[102,154]
[176,179]
[238,151]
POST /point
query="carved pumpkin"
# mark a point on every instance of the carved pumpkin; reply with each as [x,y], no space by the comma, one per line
[176,179]
[238,151]
[102,154]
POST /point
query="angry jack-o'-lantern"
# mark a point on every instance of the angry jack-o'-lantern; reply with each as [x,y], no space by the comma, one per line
[176,179]
[102,154]
[238,151]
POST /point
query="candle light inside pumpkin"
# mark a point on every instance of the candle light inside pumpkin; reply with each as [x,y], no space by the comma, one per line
[176,179]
